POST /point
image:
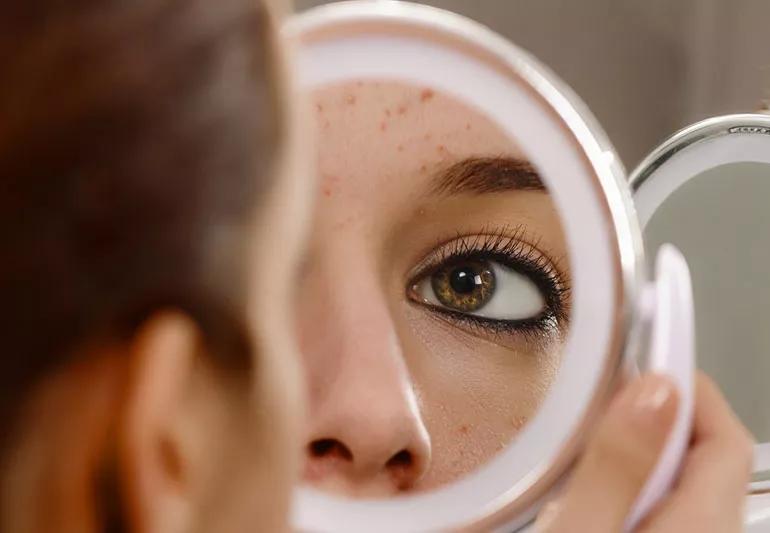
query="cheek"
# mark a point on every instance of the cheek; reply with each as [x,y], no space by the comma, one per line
[474,395]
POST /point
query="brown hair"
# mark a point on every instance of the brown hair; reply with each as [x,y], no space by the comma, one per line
[135,140]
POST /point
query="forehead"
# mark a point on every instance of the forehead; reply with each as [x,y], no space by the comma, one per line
[383,127]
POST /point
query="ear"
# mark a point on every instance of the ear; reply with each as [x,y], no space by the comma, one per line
[152,449]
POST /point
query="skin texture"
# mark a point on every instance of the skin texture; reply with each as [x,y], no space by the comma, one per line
[401,397]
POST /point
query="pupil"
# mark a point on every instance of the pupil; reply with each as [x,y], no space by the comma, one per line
[462,280]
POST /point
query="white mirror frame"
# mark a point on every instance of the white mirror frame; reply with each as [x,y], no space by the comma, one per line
[687,154]
[449,53]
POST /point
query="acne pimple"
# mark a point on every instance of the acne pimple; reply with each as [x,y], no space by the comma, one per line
[326,191]
[401,110]
[441,148]
[464,429]
[383,126]
[426,95]
[350,99]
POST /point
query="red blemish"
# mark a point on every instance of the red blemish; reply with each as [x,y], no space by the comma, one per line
[350,99]
[464,429]
[468,126]
[327,191]
[441,148]
[327,123]
[383,126]
[401,110]
[426,95]
[427,136]
[400,148]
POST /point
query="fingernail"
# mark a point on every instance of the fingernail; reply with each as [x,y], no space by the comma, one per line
[547,517]
[654,400]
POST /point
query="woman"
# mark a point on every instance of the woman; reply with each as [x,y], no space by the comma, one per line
[139,219]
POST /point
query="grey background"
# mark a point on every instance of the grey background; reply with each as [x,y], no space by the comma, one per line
[647,68]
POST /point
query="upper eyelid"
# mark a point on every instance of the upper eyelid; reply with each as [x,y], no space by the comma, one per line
[434,258]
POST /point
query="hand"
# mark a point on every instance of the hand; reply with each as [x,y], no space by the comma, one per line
[709,496]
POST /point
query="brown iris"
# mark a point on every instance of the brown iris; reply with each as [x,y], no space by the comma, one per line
[464,286]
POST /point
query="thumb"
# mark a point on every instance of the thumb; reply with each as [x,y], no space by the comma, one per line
[618,459]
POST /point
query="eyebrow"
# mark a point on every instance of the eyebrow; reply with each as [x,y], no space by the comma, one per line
[485,175]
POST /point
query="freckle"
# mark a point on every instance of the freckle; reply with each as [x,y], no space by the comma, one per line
[424,168]
[468,126]
[360,83]
[427,136]
[401,110]
[350,99]
[426,95]
[383,126]
[387,113]
[464,429]
[400,148]
[441,148]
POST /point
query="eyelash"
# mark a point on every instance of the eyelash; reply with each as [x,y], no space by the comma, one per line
[508,247]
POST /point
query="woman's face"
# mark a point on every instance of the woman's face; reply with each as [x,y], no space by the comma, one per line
[435,296]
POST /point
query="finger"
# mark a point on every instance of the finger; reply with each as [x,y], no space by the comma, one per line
[618,459]
[712,486]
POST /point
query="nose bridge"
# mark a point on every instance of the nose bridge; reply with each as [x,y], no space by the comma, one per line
[365,422]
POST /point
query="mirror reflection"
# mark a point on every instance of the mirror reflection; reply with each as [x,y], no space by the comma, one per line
[435,296]
[719,221]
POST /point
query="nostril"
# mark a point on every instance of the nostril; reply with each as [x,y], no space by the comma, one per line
[329,448]
[402,459]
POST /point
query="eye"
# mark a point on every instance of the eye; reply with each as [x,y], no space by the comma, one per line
[483,288]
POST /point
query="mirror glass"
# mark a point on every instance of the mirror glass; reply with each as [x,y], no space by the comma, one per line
[467,288]
[719,220]
[437,292]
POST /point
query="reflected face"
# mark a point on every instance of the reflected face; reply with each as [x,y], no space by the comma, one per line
[435,296]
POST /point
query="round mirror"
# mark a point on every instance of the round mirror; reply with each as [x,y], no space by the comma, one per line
[705,190]
[469,291]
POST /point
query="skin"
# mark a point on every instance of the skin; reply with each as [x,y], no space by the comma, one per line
[622,452]
[386,374]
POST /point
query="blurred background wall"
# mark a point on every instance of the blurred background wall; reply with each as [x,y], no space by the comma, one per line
[645,67]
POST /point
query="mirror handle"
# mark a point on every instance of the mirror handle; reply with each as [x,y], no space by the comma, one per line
[672,352]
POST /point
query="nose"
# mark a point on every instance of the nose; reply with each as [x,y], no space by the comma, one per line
[366,434]
[368,437]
